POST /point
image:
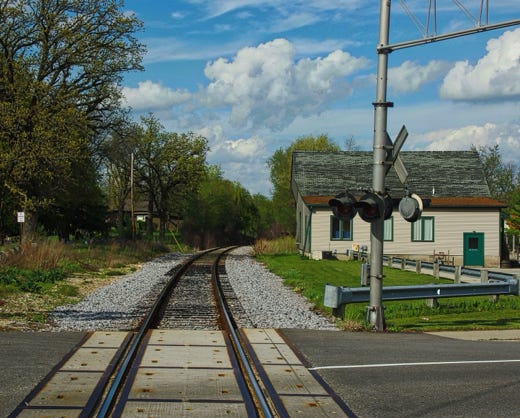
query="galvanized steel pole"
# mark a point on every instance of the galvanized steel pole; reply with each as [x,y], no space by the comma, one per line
[375,312]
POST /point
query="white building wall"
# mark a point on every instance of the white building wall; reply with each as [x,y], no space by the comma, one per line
[450,224]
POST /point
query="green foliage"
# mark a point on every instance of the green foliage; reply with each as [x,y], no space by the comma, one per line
[266,215]
[33,281]
[502,178]
[309,277]
[514,212]
[170,167]
[221,213]
[61,63]
[280,165]
[67,290]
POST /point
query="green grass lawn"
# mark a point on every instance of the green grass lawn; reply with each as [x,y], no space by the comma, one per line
[309,277]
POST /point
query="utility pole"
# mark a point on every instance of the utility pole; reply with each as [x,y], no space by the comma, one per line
[375,312]
[132,212]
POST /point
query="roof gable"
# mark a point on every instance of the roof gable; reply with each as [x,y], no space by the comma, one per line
[431,173]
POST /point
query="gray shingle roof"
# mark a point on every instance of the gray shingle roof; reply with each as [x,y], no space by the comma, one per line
[450,173]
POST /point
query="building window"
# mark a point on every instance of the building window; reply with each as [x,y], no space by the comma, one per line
[389,229]
[423,229]
[340,230]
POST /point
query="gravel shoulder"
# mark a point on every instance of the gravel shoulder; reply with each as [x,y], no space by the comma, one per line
[267,302]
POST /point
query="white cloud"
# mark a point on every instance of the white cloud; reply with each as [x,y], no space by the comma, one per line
[239,150]
[153,96]
[410,76]
[265,87]
[218,8]
[294,21]
[242,160]
[225,149]
[495,76]
[506,136]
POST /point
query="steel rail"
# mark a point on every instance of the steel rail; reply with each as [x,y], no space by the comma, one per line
[138,338]
[230,327]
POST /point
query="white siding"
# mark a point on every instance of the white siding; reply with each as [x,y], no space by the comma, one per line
[450,224]
[303,215]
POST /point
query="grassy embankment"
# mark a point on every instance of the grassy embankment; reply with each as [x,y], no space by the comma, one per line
[310,277]
[37,277]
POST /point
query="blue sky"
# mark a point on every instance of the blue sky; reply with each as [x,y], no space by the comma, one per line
[252,76]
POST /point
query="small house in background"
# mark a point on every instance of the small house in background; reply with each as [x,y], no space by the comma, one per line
[460,222]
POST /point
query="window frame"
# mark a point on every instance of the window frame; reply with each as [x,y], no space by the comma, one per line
[421,223]
[340,229]
[389,221]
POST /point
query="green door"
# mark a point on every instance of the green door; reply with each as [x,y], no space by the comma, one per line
[473,248]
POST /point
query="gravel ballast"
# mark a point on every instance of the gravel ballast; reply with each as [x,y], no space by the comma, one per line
[267,302]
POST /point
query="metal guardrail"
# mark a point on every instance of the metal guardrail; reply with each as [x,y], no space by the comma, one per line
[465,271]
[336,296]
[496,283]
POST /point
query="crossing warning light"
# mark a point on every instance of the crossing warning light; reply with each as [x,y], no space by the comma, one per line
[370,206]
[343,206]
[411,207]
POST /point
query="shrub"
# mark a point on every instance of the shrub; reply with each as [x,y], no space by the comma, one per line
[29,280]
[284,245]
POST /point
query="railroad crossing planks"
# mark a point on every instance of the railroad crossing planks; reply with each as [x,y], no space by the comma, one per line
[67,391]
[297,388]
[183,373]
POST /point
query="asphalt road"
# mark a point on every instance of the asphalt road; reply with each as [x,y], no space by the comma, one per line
[376,374]
[26,358]
[416,375]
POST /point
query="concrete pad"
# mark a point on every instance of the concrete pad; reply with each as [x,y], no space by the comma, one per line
[187,337]
[185,385]
[293,380]
[184,409]
[49,413]
[106,339]
[67,389]
[312,407]
[484,335]
[259,336]
[90,359]
[189,356]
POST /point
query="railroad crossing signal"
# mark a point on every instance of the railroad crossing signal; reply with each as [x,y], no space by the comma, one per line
[370,206]
[393,158]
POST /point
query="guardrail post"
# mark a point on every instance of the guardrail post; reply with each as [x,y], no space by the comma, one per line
[403,264]
[436,270]
[418,266]
[484,276]
[457,273]
[390,261]
[432,303]
[332,299]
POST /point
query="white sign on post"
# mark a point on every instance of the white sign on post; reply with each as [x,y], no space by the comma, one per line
[21,217]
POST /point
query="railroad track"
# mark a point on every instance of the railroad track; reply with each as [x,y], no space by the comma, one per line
[188,358]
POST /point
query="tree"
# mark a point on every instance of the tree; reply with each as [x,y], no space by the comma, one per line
[61,64]
[118,152]
[501,177]
[170,167]
[503,181]
[266,225]
[514,212]
[280,174]
[221,213]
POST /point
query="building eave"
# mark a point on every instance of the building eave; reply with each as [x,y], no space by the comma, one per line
[430,202]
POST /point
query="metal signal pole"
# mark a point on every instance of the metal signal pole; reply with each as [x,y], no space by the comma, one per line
[375,312]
